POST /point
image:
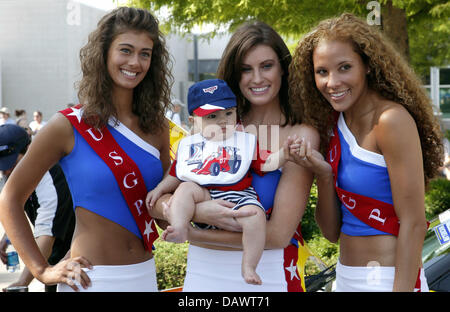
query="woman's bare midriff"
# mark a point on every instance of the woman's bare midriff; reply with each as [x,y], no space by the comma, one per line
[367,250]
[104,242]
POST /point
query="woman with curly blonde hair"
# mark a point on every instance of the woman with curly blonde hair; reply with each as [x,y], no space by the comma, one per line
[384,144]
[113,149]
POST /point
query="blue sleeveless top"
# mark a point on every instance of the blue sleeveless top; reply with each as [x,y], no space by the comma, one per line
[266,187]
[93,185]
[362,172]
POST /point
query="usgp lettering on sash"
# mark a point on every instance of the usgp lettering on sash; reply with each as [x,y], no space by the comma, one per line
[124,169]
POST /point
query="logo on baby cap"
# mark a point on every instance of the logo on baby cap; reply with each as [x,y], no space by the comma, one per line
[210,89]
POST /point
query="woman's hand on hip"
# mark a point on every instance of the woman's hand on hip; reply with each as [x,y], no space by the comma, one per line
[69,272]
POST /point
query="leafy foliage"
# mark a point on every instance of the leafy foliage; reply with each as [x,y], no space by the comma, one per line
[437,198]
[447,134]
[309,225]
[170,260]
[428,22]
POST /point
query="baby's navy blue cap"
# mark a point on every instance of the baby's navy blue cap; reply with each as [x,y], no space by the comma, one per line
[208,96]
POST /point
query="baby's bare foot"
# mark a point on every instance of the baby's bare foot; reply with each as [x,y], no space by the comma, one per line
[174,235]
[250,276]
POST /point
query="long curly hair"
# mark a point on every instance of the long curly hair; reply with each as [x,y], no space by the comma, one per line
[150,97]
[247,36]
[389,75]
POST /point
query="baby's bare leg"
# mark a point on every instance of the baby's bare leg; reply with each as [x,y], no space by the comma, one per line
[186,196]
[253,241]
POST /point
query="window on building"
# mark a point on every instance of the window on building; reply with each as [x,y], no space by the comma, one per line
[206,69]
[439,91]
[444,91]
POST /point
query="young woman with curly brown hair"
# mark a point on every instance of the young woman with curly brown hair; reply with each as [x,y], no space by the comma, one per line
[384,144]
[124,92]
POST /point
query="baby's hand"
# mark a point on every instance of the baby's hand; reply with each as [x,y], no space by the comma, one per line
[152,197]
[291,148]
[295,145]
[301,152]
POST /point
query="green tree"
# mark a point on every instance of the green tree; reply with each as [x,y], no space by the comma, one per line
[420,28]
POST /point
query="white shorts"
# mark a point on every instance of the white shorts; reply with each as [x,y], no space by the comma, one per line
[210,270]
[369,279]
[139,277]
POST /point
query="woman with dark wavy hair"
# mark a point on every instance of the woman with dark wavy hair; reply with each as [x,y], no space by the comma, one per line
[113,148]
[255,65]
[384,145]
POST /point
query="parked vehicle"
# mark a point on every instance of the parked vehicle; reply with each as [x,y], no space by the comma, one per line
[436,253]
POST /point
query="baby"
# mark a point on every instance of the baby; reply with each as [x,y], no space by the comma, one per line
[214,164]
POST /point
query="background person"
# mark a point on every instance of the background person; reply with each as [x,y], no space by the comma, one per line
[21,118]
[174,113]
[5,116]
[49,208]
[37,123]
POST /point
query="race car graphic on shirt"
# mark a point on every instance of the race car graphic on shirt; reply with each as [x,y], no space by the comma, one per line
[225,159]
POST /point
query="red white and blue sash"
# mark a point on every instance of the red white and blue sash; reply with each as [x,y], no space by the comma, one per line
[376,214]
[124,169]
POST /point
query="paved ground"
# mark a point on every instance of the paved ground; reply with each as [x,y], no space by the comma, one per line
[7,278]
